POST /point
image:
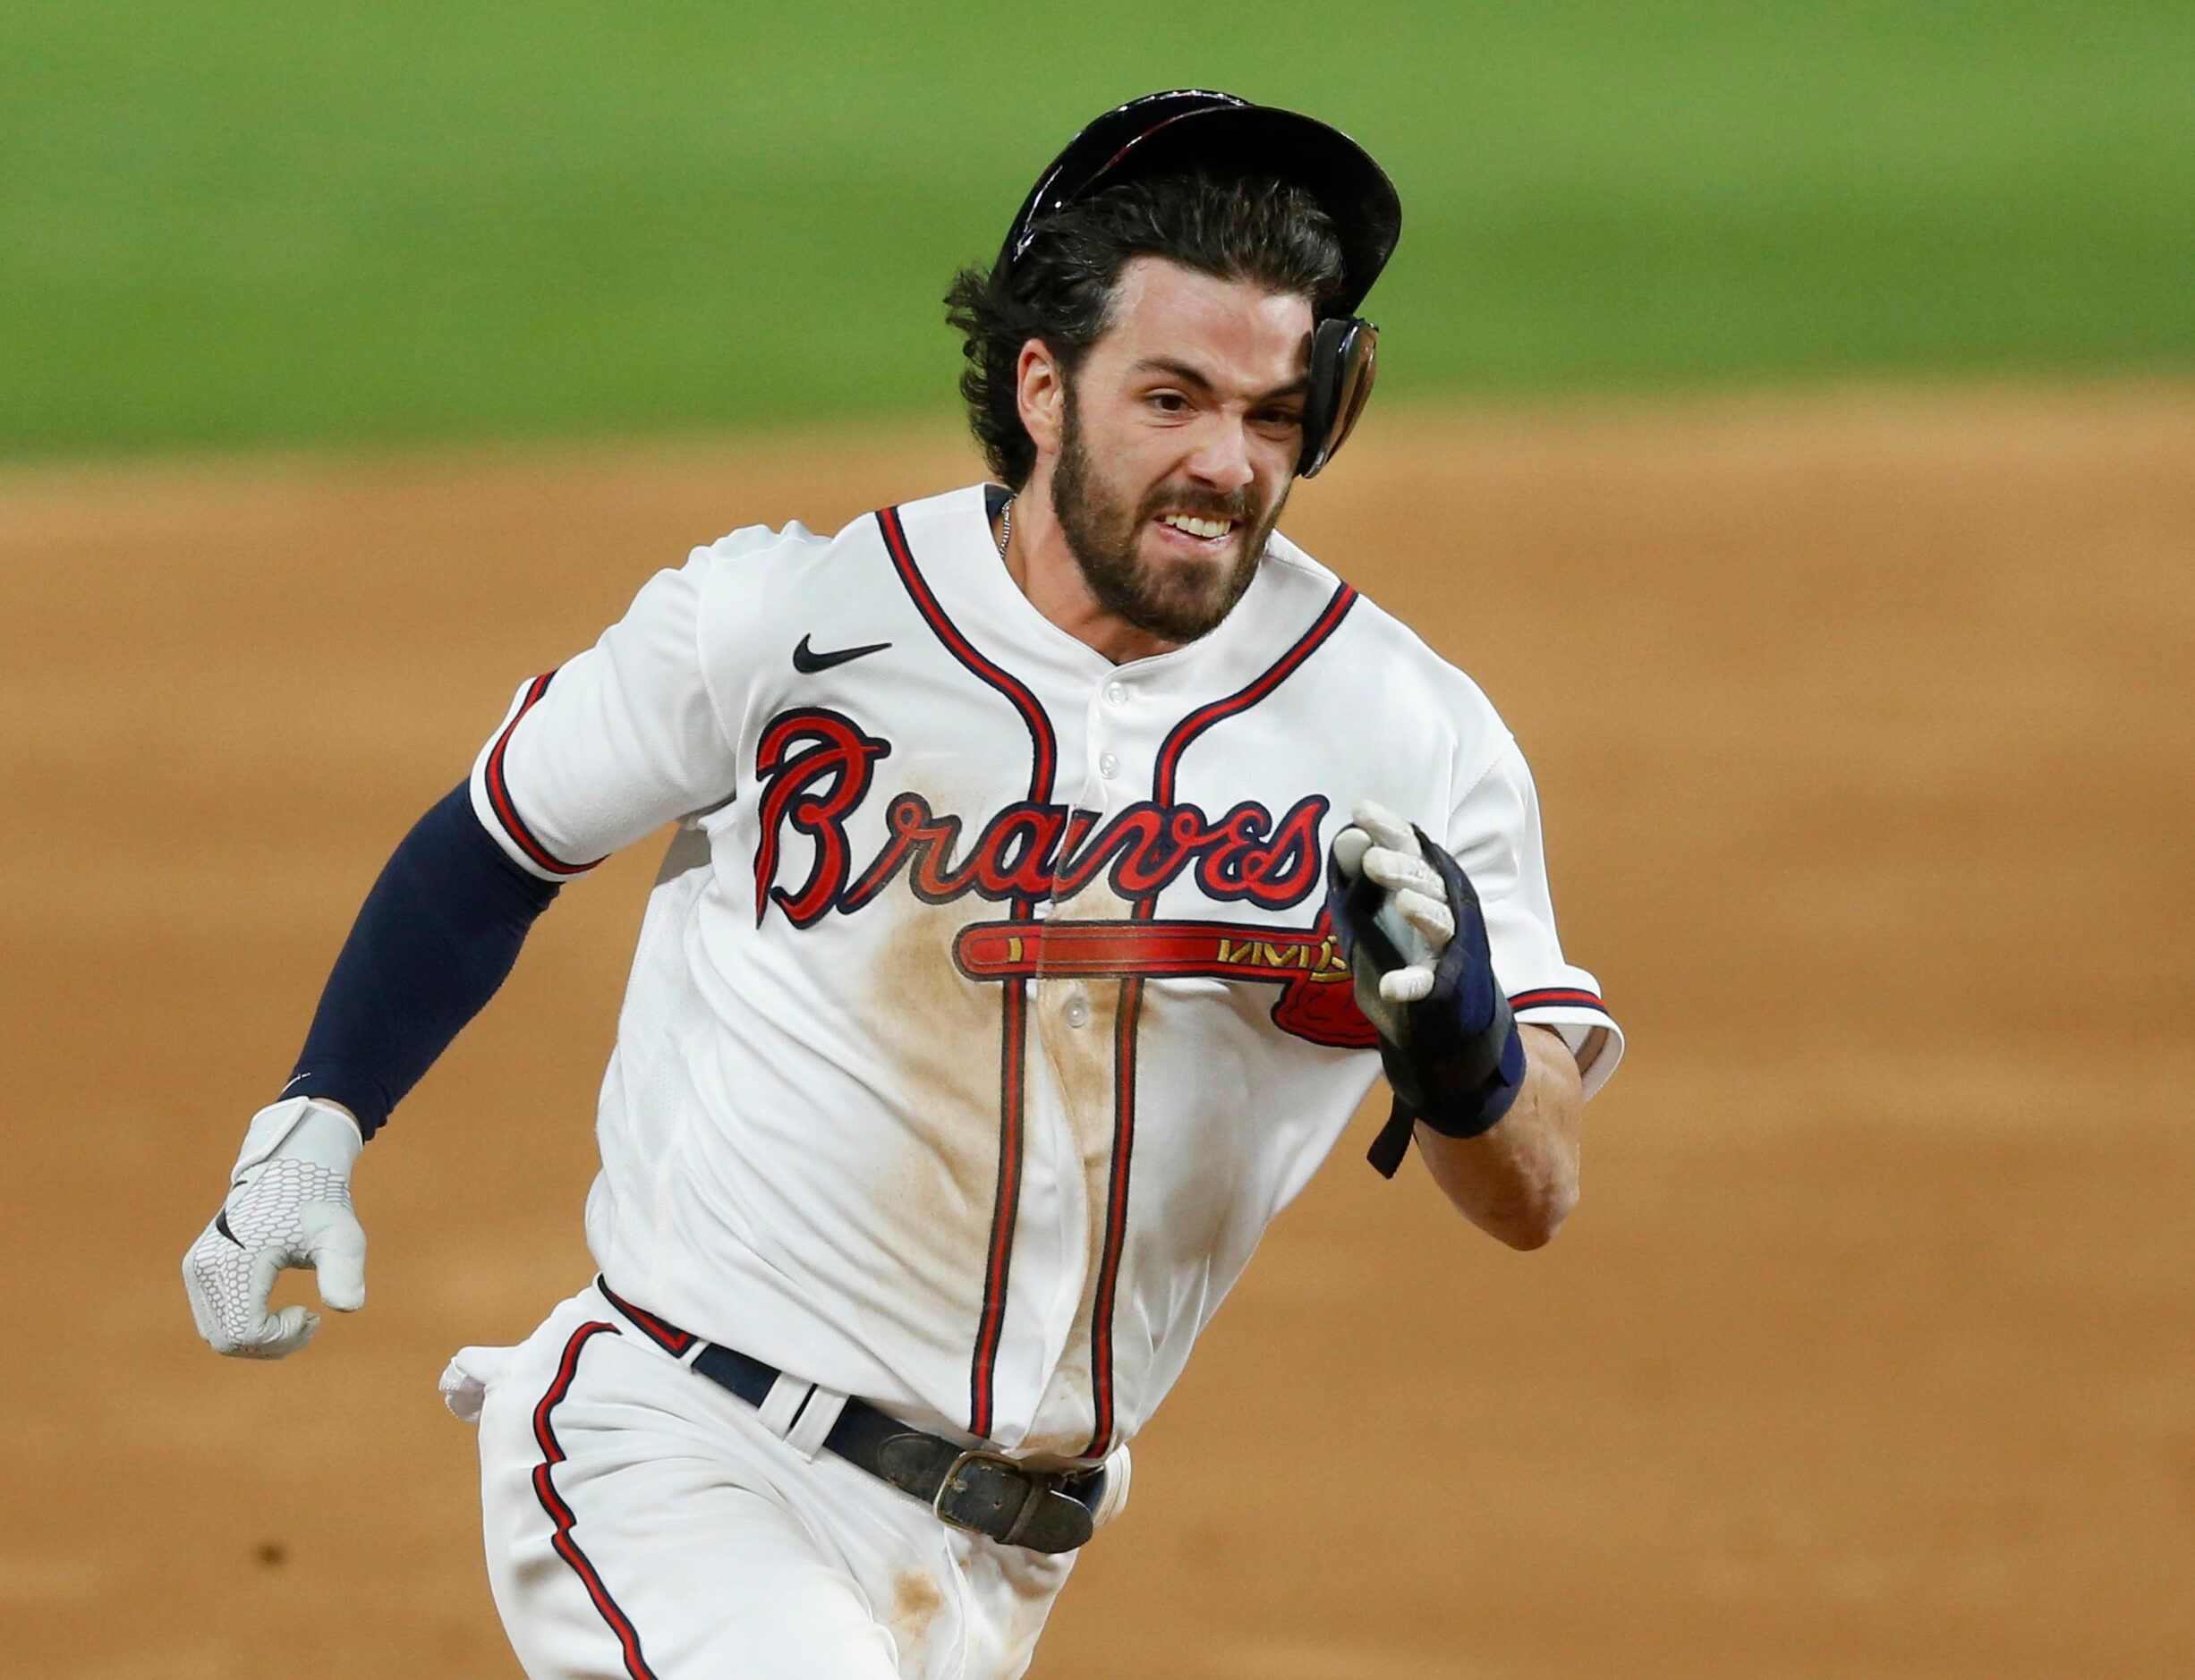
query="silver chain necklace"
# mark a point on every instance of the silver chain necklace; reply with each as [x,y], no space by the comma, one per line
[1006,526]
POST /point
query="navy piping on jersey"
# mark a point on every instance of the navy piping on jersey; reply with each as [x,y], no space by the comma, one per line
[1013,1014]
[1558,996]
[1163,787]
[499,794]
[560,1514]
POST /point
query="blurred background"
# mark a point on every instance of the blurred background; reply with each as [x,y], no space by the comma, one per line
[1788,414]
[247,223]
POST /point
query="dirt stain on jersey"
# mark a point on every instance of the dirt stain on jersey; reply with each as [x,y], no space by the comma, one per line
[1077,1033]
[917,1601]
[1077,1022]
[939,1043]
[937,1034]
[1078,1026]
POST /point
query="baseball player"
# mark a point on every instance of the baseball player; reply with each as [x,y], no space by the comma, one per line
[1057,861]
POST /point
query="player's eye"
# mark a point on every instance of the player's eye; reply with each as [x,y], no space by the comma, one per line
[1169,401]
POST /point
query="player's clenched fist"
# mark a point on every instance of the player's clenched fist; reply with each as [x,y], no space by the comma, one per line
[1378,848]
[1411,928]
[289,1204]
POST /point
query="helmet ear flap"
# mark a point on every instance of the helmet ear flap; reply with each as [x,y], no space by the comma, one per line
[1344,362]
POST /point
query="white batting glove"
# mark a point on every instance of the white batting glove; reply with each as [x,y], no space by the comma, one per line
[1416,916]
[289,1205]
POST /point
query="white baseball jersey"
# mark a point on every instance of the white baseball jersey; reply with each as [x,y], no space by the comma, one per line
[986,1012]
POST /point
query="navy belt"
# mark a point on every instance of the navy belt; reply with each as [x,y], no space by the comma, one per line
[984,1492]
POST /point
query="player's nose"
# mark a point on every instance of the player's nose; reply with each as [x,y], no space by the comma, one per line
[1221,458]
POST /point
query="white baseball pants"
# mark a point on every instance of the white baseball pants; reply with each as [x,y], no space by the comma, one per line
[643,1525]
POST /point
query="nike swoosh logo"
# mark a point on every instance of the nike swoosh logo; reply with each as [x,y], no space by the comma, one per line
[806,660]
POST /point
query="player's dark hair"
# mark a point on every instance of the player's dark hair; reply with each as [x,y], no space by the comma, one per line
[1267,231]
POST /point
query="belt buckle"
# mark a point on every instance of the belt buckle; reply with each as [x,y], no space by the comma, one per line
[956,1481]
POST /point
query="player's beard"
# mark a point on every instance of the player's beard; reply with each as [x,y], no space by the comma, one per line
[1180,601]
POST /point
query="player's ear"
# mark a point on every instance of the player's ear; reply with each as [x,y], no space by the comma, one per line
[1041,390]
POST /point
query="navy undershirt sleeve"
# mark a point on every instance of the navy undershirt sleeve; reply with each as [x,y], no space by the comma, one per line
[435,938]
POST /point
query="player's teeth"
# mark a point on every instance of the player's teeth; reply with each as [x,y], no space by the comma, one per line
[1200,527]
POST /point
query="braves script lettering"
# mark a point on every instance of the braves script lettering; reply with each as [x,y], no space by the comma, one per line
[817,766]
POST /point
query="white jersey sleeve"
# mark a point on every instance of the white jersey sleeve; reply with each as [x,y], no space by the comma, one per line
[1494,833]
[620,739]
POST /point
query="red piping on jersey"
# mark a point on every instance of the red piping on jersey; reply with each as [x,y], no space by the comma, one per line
[1043,749]
[1558,996]
[1014,1012]
[1127,1017]
[1006,1209]
[1131,1008]
[1194,724]
[499,793]
[560,1514]
[669,1337]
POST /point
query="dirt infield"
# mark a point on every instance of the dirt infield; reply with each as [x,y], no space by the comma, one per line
[1864,731]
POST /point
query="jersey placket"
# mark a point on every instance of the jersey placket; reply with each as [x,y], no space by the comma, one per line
[1120,762]
[1164,767]
[1124,771]
[1075,1023]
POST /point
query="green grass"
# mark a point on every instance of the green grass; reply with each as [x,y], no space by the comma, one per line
[235,222]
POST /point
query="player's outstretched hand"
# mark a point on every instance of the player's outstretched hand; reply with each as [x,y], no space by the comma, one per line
[289,1205]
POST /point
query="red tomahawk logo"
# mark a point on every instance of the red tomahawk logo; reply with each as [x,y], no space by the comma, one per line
[1316,1002]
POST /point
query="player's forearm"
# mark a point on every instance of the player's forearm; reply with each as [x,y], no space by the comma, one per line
[434,939]
[1519,1181]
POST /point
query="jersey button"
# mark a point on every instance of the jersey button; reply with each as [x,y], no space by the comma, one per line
[1116,694]
[1078,1011]
[1109,766]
